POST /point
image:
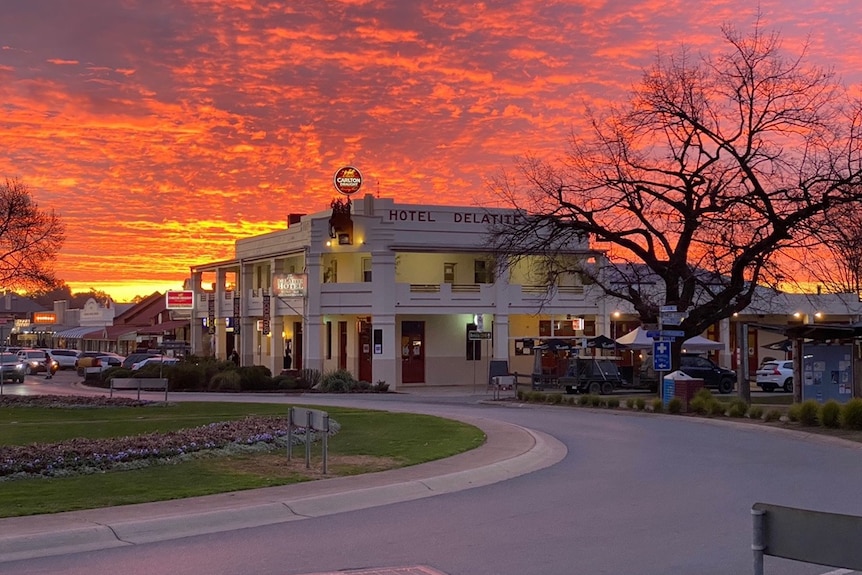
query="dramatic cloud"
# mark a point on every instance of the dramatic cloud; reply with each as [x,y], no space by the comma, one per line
[163,130]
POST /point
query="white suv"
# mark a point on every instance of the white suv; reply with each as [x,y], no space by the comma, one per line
[775,374]
[34,360]
[66,358]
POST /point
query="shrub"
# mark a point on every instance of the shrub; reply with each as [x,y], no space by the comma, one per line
[830,414]
[382,387]
[228,380]
[583,400]
[555,398]
[595,401]
[363,385]
[521,393]
[285,382]
[338,381]
[255,378]
[772,415]
[698,405]
[310,378]
[188,376]
[675,406]
[704,394]
[630,402]
[613,402]
[755,412]
[640,403]
[851,414]
[793,412]
[716,407]
[657,405]
[571,400]
[737,408]
[808,411]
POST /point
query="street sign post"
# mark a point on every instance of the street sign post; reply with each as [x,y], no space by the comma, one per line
[661,356]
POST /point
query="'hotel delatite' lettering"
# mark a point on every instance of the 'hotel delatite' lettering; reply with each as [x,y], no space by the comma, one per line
[457,217]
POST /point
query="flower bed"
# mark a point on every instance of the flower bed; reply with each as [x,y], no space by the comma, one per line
[81,456]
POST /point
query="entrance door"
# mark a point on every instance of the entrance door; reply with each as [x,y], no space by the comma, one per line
[342,345]
[364,351]
[413,352]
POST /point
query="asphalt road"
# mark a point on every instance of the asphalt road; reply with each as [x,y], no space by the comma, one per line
[637,494]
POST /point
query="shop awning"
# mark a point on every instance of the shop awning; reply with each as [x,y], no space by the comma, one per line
[77,332]
[164,327]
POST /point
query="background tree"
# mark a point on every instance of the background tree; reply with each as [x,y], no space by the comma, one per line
[838,234]
[696,184]
[29,240]
[61,291]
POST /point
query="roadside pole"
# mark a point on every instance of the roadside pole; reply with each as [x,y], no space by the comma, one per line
[742,382]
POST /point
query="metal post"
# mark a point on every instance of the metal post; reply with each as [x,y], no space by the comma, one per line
[757,543]
[308,440]
[325,440]
[289,432]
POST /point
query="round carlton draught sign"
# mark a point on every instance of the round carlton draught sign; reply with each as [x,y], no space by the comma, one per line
[347,180]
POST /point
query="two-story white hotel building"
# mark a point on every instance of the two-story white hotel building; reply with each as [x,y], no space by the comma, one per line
[390,294]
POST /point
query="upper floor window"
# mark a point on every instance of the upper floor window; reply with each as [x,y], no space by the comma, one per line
[330,274]
[449,273]
[366,269]
[483,272]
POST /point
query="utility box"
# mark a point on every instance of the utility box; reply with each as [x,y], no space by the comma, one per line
[678,384]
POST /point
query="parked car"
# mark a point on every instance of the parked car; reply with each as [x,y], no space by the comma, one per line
[137,356]
[775,374]
[37,361]
[92,363]
[159,359]
[11,367]
[714,377]
[65,358]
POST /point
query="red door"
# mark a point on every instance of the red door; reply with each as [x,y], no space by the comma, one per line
[413,352]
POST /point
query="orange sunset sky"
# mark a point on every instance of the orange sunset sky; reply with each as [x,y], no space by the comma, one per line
[162,130]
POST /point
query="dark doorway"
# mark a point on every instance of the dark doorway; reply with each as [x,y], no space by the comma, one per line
[342,345]
[413,352]
[297,348]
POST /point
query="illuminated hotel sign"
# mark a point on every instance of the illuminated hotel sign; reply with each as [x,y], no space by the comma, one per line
[44,317]
[289,285]
[184,299]
[347,180]
[480,218]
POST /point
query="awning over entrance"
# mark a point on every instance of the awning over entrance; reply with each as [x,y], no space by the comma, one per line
[77,332]
[163,327]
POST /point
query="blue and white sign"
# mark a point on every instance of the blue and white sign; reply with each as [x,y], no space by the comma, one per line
[661,356]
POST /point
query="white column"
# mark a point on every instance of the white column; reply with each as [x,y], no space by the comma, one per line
[312,329]
[384,366]
[247,343]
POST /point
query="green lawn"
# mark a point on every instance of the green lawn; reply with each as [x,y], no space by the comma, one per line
[368,441]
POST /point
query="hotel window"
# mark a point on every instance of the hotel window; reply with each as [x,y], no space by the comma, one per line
[449,273]
[483,272]
[366,269]
[330,275]
[474,347]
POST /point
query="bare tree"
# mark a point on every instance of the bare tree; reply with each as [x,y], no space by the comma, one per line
[29,240]
[839,234]
[696,184]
